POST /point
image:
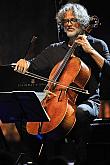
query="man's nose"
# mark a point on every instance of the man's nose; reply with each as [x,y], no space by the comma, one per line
[69,22]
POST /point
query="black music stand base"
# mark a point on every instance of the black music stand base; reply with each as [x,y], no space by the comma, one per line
[17,108]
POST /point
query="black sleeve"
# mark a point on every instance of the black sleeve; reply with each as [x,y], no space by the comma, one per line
[105,74]
[41,64]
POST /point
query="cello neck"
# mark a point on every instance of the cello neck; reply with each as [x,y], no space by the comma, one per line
[65,59]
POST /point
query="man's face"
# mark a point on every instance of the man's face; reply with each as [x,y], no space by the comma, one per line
[71,26]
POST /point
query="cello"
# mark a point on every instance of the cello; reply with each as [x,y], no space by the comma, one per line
[60,100]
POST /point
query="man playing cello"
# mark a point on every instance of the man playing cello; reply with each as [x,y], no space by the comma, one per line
[93,52]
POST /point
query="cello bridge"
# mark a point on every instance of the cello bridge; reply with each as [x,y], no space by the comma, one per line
[48,93]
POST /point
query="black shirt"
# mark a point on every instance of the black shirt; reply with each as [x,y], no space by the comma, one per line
[53,54]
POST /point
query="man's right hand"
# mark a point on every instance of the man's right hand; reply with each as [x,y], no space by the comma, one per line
[22,66]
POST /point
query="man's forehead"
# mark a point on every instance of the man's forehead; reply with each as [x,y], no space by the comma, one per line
[69,13]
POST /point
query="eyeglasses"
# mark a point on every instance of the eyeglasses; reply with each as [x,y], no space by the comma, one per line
[72,20]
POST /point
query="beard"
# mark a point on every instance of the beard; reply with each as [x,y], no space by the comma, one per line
[73,34]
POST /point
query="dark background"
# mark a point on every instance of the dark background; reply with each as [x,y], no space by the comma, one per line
[20,20]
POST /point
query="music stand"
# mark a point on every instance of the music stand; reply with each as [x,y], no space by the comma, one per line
[21,106]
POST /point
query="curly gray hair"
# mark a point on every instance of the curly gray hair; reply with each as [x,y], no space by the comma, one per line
[79,11]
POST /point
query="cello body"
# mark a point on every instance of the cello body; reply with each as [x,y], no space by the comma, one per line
[59,102]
